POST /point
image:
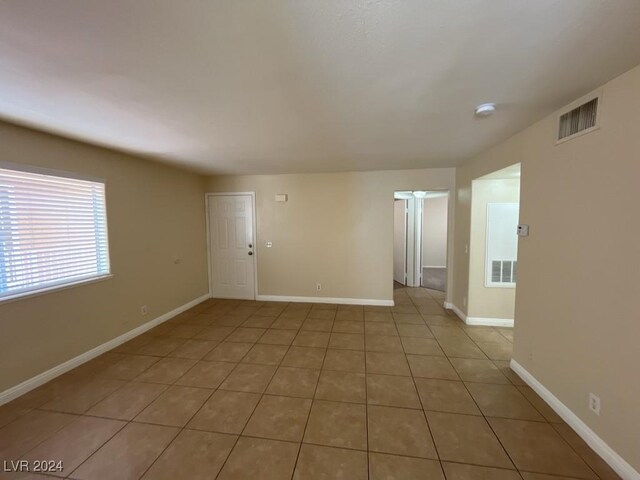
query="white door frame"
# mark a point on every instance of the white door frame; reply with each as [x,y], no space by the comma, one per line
[255,237]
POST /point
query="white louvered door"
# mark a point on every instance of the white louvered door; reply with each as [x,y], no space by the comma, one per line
[232,247]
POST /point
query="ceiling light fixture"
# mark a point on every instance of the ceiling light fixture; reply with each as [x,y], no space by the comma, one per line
[485,109]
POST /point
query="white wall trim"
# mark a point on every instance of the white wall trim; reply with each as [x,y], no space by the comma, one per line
[58,370]
[456,310]
[489,322]
[340,300]
[615,461]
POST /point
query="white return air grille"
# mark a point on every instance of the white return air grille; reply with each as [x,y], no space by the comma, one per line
[503,271]
[580,119]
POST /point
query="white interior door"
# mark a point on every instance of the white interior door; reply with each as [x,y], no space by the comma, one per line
[400,241]
[231,246]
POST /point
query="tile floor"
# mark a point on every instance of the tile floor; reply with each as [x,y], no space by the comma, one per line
[256,390]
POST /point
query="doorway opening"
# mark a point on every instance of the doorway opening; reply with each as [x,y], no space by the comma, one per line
[420,239]
[493,248]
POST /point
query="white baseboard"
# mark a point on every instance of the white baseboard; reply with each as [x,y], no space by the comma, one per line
[58,370]
[615,461]
[456,310]
[488,322]
[337,300]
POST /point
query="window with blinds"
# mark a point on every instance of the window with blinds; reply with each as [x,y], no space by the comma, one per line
[53,232]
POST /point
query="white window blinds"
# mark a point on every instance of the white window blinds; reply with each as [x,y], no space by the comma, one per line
[53,232]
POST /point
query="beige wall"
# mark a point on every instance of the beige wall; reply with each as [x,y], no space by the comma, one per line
[336,229]
[488,302]
[576,321]
[434,232]
[154,213]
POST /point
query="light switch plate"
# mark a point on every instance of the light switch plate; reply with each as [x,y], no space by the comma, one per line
[281,197]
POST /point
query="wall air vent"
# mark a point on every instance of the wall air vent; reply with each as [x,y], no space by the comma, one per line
[578,121]
[503,271]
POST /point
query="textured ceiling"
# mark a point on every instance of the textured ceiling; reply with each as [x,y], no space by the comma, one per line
[284,86]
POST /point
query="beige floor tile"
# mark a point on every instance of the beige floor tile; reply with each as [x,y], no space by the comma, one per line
[159,346]
[249,378]
[129,367]
[257,458]
[184,331]
[341,386]
[215,334]
[166,371]
[438,320]
[496,351]
[288,323]
[392,391]
[383,343]
[483,334]
[29,430]
[225,412]
[415,331]
[445,396]
[82,395]
[393,467]
[399,431]
[344,361]
[348,326]
[76,442]
[542,476]
[407,307]
[337,425]
[387,363]
[206,374]
[265,354]
[480,371]
[278,337]
[194,349]
[537,447]
[330,463]
[466,439]
[175,406]
[229,352]
[9,412]
[126,402]
[432,367]
[294,382]
[379,328]
[322,314]
[304,357]
[192,455]
[128,454]
[408,319]
[245,335]
[311,339]
[421,346]
[97,365]
[502,401]
[375,316]
[258,322]
[547,412]
[349,315]
[279,418]
[597,464]
[461,348]
[459,471]
[505,368]
[346,341]
[230,320]
[317,325]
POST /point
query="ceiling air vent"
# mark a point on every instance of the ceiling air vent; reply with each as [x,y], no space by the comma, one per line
[580,120]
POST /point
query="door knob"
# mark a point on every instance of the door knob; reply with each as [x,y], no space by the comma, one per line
[250,245]
[250,253]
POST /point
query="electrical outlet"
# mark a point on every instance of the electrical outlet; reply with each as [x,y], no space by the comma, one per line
[594,403]
[318,286]
[466,249]
[144,310]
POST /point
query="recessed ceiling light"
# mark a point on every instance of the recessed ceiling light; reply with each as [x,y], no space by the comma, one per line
[485,109]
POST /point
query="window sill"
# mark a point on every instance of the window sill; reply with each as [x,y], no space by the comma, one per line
[54,288]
